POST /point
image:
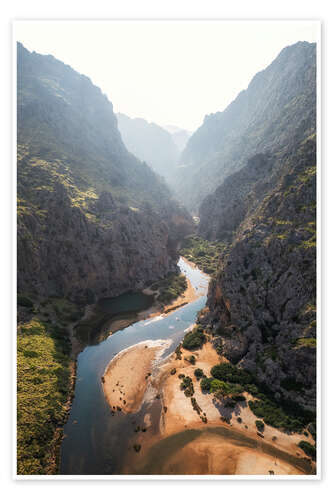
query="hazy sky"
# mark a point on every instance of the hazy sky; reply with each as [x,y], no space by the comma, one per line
[172,73]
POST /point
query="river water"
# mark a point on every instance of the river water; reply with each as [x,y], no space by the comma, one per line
[96,442]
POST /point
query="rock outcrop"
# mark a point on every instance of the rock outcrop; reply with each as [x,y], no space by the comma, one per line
[262,303]
[93,220]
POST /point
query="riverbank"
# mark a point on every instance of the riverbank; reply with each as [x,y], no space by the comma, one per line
[217,447]
[157,309]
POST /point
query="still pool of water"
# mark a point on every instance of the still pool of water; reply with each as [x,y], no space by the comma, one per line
[96,442]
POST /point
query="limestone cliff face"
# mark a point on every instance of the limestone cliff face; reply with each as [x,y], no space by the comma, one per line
[262,304]
[277,108]
[93,220]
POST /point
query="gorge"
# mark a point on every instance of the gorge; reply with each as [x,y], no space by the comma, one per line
[126,244]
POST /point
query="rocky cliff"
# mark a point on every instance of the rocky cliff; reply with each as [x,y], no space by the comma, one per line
[262,303]
[278,108]
[92,219]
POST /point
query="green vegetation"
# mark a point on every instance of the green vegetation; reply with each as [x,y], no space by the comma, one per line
[170,287]
[260,425]
[194,339]
[198,373]
[306,342]
[178,352]
[229,373]
[205,384]
[205,254]
[308,449]
[285,415]
[277,416]
[43,375]
[195,405]
[290,384]
[187,386]
[191,359]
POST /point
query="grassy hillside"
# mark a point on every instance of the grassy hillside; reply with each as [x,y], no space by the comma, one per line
[43,388]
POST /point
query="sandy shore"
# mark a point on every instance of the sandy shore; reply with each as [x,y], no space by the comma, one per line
[127,376]
[211,453]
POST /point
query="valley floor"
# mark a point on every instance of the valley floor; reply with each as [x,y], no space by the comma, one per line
[184,443]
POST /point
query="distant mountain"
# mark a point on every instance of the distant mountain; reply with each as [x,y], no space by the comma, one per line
[150,143]
[93,220]
[180,136]
[276,109]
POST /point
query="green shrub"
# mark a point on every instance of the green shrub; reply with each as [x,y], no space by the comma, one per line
[274,415]
[198,373]
[191,359]
[239,398]
[205,383]
[187,386]
[260,425]
[194,339]
[229,373]
[308,449]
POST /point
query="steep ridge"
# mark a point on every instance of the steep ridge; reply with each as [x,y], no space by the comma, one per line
[149,142]
[262,303]
[93,220]
[277,108]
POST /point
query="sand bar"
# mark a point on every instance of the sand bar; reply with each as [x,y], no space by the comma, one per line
[128,374]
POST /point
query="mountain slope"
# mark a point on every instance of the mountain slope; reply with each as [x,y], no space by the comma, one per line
[262,304]
[149,142]
[92,219]
[277,108]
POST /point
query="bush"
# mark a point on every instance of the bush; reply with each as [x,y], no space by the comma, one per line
[198,373]
[229,373]
[308,449]
[178,352]
[274,415]
[260,425]
[239,398]
[194,339]
[187,386]
[191,359]
[205,383]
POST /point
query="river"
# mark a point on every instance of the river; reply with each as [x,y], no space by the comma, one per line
[96,442]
